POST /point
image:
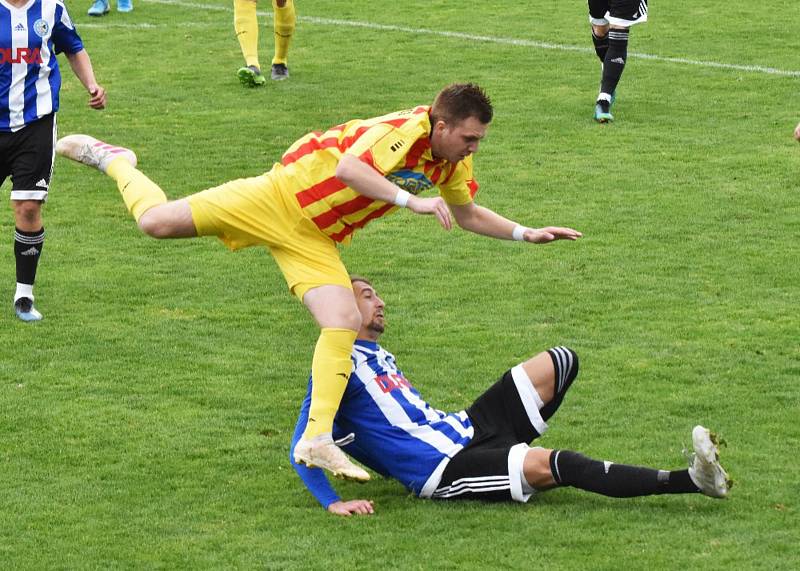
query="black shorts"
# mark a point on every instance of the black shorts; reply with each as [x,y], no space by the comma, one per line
[623,13]
[490,466]
[27,155]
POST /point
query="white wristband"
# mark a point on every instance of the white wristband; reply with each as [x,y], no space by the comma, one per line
[401,198]
[518,233]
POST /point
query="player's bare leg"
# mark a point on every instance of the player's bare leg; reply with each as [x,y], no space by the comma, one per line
[169,220]
[139,193]
[551,373]
[28,240]
[335,310]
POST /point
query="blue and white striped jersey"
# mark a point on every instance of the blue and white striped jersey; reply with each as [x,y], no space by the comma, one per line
[397,434]
[30,37]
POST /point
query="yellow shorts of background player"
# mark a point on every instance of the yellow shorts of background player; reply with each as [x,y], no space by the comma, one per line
[260,211]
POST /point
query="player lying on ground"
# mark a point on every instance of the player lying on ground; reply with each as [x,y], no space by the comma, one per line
[327,186]
[482,452]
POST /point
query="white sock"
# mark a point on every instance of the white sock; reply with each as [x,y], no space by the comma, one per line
[24,290]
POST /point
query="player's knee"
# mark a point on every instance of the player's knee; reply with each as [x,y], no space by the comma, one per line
[153,225]
[536,468]
[343,317]
[27,211]
[351,319]
[600,31]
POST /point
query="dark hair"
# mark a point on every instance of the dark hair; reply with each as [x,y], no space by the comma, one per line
[354,278]
[459,101]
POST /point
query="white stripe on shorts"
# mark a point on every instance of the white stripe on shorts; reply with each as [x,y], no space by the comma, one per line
[28,194]
[531,400]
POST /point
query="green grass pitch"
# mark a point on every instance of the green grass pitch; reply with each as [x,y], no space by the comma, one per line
[145,423]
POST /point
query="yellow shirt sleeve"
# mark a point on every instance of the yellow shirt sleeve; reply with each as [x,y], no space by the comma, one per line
[383,147]
[459,187]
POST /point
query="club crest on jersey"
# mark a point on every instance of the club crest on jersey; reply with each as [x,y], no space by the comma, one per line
[41,27]
[413,182]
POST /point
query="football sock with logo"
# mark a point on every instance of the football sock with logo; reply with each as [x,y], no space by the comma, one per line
[614,63]
[285,20]
[330,370]
[139,192]
[27,250]
[616,480]
[600,45]
[246,26]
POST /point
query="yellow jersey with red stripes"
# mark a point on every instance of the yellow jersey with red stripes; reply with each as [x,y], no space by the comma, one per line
[396,145]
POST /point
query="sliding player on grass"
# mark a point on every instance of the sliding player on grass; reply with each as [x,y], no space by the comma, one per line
[326,187]
[481,452]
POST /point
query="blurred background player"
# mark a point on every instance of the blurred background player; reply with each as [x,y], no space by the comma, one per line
[101,8]
[611,21]
[246,26]
[327,186]
[31,33]
[480,453]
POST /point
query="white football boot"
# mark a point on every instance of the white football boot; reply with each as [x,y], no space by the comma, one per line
[705,470]
[92,152]
[321,451]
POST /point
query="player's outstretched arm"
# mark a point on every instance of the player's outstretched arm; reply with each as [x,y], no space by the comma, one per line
[797,132]
[481,220]
[82,68]
[352,507]
[367,181]
[314,479]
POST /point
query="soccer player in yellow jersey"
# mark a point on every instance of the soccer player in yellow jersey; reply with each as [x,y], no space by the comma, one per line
[327,186]
[246,26]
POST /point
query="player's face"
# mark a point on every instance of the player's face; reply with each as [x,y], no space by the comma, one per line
[371,307]
[456,142]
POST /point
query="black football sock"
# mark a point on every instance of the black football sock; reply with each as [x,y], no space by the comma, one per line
[616,480]
[600,45]
[614,63]
[27,250]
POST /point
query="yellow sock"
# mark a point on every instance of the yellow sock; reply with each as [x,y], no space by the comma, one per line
[285,19]
[139,192]
[246,26]
[330,370]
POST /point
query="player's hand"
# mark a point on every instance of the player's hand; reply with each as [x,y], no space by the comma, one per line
[435,205]
[549,234]
[797,133]
[352,507]
[97,97]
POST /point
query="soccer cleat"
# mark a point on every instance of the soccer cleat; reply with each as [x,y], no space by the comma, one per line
[602,111]
[705,470]
[99,8]
[323,452]
[89,151]
[25,311]
[279,72]
[250,76]
[124,5]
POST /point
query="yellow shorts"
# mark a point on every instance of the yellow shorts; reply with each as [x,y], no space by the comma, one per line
[260,211]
